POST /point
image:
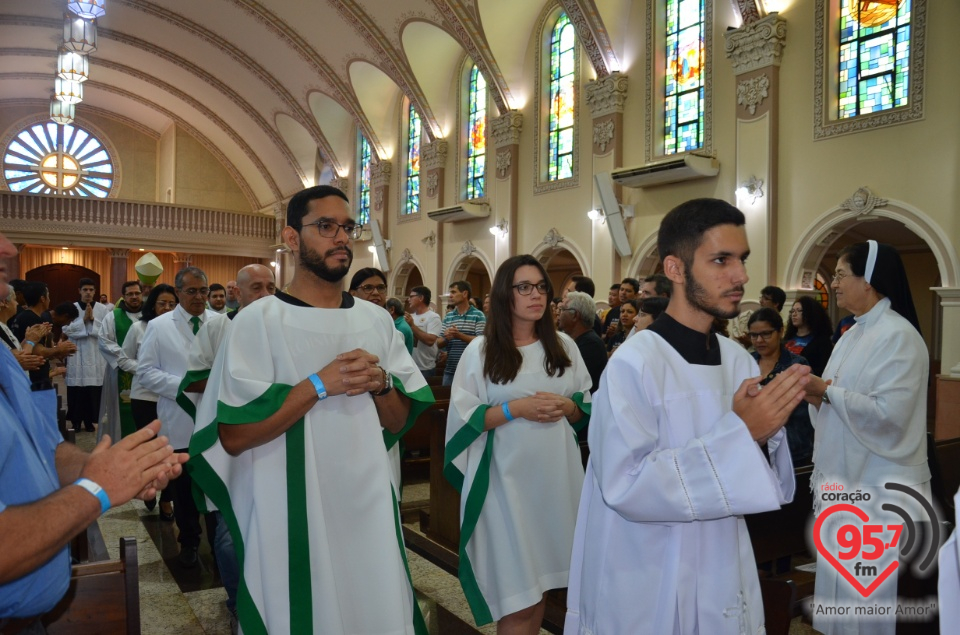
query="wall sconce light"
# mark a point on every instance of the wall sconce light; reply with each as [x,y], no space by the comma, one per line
[596,214]
[752,187]
[430,239]
[500,229]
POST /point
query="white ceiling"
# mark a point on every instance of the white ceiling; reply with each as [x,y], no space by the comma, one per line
[269,85]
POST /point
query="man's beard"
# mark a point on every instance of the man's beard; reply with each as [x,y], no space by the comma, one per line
[697,297]
[312,260]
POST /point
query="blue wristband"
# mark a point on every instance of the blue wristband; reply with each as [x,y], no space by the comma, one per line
[29,342]
[506,411]
[318,385]
[97,491]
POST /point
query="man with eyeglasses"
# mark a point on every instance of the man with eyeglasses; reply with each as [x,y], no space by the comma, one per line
[369,284]
[161,364]
[426,327]
[577,314]
[116,415]
[309,389]
[461,325]
[85,369]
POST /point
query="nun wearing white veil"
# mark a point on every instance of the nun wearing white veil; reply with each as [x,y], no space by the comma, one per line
[870,414]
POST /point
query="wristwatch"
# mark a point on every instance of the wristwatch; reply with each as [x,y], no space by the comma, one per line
[825,397]
[387,384]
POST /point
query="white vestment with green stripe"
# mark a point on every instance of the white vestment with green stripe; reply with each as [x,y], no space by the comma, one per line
[312,513]
[519,483]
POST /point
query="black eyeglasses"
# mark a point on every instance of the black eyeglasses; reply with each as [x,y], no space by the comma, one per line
[329,229]
[762,335]
[370,288]
[526,288]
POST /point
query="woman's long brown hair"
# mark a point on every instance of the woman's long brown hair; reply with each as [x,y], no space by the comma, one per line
[501,357]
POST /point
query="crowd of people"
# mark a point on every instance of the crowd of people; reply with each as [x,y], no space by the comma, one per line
[290,404]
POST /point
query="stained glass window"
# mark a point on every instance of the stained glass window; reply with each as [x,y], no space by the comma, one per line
[563,40]
[684,99]
[363,211]
[412,205]
[477,131]
[874,56]
[47,158]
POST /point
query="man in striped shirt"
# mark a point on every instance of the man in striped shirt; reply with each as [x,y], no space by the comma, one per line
[460,325]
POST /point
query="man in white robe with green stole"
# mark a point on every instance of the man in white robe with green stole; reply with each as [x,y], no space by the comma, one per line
[116,415]
[683,443]
[288,443]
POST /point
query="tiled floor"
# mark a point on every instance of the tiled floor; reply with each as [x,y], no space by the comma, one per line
[192,602]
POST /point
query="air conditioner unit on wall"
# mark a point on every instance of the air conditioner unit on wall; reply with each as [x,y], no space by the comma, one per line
[462,211]
[685,168]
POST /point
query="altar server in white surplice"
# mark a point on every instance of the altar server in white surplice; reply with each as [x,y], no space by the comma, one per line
[676,458]
[289,443]
[116,414]
[520,393]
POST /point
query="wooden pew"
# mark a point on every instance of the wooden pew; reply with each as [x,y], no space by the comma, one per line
[444,499]
[103,598]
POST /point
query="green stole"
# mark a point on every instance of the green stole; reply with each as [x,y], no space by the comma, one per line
[124,379]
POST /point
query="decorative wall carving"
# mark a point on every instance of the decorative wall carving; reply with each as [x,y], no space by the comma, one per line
[756,45]
[405,256]
[504,160]
[592,34]
[607,95]
[430,239]
[378,198]
[751,92]
[863,202]
[603,133]
[342,183]
[434,154]
[552,238]
[119,253]
[380,173]
[468,248]
[433,180]
[506,129]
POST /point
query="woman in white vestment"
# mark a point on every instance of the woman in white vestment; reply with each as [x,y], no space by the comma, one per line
[869,414]
[512,453]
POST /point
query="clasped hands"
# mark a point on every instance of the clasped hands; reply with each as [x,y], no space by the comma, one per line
[353,373]
[765,409]
[543,407]
[137,466]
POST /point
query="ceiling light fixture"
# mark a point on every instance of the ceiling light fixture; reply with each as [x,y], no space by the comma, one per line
[88,9]
[61,112]
[79,35]
[73,66]
[67,91]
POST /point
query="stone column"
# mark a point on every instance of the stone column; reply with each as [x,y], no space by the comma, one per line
[755,50]
[605,99]
[433,166]
[118,273]
[506,142]
[343,184]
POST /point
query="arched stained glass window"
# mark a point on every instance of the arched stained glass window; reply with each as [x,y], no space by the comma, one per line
[684,89]
[874,56]
[563,41]
[412,204]
[47,158]
[477,134]
[363,169]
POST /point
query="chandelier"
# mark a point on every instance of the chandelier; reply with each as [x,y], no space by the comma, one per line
[79,35]
[73,66]
[68,91]
[89,9]
[877,12]
[62,112]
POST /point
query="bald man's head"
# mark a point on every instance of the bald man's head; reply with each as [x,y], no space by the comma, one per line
[254,282]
